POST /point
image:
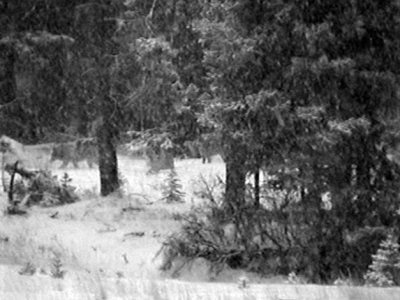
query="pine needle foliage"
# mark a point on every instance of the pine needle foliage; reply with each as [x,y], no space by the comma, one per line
[57,269]
[385,268]
[172,189]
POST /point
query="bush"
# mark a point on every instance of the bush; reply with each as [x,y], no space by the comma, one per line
[210,188]
[208,232]
[274,239]
[199,238]
[41,187]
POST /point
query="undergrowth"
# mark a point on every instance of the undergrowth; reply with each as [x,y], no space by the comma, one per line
[209,233]
[42,188]
[278,239]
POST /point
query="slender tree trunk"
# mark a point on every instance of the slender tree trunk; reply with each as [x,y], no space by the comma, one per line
[257,187]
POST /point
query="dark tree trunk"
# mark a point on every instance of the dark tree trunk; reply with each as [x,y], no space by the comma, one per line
[108,164]
[257,187]
[235,176]
[96,25]
[106,136]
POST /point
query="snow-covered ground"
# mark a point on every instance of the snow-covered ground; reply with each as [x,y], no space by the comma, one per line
[108,246]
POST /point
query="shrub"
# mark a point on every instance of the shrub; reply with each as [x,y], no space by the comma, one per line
[41,187]
[28,269]
[208,232]
[197,239]
[270,241]
[290,231]
[209,188]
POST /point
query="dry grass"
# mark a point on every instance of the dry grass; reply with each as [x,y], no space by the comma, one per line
[86,286]
[25,245]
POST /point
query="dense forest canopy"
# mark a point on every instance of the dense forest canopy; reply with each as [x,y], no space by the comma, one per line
[306,90]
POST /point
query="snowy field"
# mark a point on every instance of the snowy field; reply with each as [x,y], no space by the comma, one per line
[107,246]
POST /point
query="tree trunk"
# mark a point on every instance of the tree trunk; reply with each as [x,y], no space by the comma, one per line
[95,22]
[257,187]
[108,164]
[235,187]
[106,135]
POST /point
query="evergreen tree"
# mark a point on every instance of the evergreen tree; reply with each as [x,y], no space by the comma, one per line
[385,267]
[43,33]
[35,40]
[172,190]
[166,56]
[309,89]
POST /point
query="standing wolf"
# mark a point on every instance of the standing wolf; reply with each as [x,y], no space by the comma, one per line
[158,154]
[76,151]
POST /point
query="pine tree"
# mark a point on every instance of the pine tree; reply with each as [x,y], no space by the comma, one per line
[172,191]
[385,267]
[308,91]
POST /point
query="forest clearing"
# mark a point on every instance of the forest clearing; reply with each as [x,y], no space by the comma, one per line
[216,149]
[107,247]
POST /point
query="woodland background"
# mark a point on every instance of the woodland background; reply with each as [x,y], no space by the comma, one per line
[305,90]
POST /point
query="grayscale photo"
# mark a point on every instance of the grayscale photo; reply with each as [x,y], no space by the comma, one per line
[202,149]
